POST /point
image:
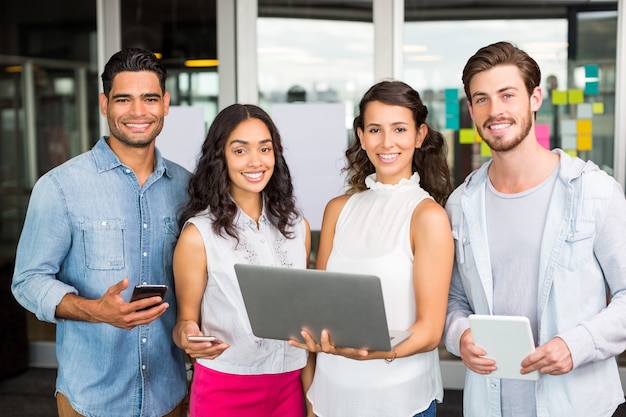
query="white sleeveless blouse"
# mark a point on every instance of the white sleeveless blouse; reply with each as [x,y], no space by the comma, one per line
[223,311]
[372,236]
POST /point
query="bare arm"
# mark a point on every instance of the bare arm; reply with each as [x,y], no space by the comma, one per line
[307,241]
[307,379]
[433,250]
[190,278]
[306,376]
[327,234]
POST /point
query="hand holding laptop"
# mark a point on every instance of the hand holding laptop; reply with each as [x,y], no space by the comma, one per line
[282,302]
[326,346]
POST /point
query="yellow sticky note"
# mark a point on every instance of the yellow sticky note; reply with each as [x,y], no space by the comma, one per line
[576,96]
[584,143]
[598,108]
[485,150]
[466,136]
[559,97]
[583,127]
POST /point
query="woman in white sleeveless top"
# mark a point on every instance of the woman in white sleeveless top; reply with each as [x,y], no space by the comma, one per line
[241,210]
[391,223]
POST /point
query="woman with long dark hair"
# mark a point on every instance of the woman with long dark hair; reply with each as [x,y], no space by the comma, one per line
[241,210]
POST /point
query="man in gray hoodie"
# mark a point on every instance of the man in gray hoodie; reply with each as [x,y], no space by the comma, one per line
[538,234]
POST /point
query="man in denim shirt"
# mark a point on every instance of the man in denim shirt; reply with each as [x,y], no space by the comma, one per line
[539,234]
[96,226]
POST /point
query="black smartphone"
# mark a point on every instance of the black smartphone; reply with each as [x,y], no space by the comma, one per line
[148,290]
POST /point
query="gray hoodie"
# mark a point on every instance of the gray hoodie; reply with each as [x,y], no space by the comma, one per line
[582,265]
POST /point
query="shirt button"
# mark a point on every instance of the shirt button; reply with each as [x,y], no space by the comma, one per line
[464,240]
[262,240]
[143,367]
[104,223]
[145,283]
[145,254]
[127,171]
[145,225]
[571,234]
[144,340]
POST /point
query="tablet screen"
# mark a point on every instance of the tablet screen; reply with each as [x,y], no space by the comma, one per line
[507,340]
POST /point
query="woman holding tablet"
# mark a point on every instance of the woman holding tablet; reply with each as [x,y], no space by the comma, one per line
[391,223]
[241,210]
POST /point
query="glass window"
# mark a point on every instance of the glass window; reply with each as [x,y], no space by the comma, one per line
[310,60]
[433,65]
[47,73]
[184,33]
[315,54]
[577,56]
[592,64]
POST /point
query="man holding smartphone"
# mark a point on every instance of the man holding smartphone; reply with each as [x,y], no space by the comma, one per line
[96,227]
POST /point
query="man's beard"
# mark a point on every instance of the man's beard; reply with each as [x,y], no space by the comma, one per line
[498,145]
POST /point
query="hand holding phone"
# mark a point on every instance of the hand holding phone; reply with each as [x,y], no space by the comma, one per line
[214,340]
[148,290]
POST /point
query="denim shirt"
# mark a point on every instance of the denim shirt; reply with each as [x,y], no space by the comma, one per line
[89,224]
[582,260]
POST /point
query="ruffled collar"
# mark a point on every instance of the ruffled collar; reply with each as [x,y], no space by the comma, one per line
[372,184]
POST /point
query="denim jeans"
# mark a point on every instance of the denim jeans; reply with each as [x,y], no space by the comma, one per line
[429,412]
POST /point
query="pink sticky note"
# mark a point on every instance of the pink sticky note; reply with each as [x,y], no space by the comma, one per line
[543,135]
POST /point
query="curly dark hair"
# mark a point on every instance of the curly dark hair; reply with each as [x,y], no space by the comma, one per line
[209,186]
[429,161]
[132,59]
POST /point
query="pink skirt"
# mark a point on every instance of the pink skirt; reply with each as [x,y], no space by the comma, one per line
[218,394]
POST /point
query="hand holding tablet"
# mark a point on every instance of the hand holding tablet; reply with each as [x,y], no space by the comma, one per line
[507,340]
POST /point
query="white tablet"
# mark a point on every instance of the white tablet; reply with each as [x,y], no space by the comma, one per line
[507,340]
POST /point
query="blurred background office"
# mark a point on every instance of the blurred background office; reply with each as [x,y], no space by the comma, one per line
[278,53]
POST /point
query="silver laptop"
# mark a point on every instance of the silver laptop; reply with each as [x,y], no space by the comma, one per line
[280,302]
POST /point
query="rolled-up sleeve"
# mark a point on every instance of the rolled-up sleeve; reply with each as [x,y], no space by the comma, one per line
[43,245]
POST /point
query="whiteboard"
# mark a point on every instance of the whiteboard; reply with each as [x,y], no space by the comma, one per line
[182,136]
[314,139]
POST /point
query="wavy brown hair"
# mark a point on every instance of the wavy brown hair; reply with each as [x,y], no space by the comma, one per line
[209,186]
[501,53]
[429,161]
